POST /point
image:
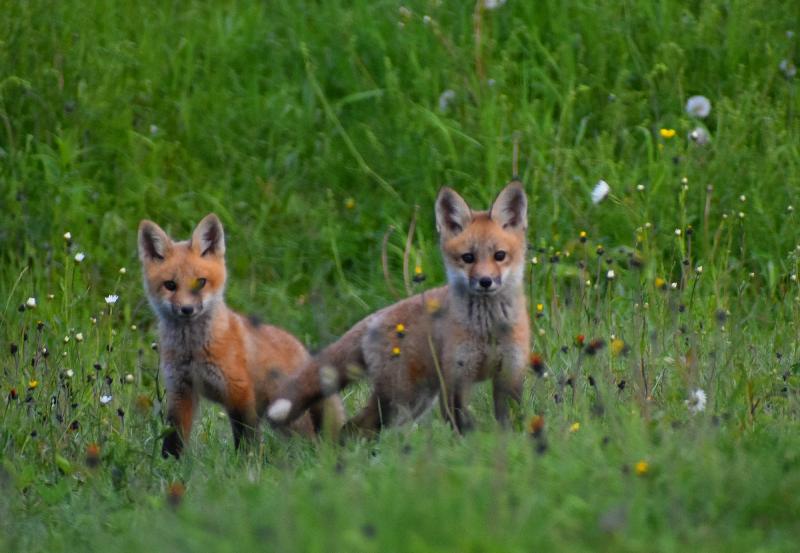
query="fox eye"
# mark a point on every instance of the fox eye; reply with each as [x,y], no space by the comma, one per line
[170,285]
[499,255]
[468,258]
[199,283]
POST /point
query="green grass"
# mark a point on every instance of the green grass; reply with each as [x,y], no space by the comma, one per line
[311,128]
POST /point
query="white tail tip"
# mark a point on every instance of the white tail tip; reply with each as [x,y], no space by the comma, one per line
[279,410]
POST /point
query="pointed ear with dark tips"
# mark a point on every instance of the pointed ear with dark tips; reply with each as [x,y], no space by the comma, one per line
[510,208]
[452,212]
[154,244]
[208,238]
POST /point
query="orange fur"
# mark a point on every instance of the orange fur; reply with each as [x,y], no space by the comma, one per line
[206,348]
[475,328]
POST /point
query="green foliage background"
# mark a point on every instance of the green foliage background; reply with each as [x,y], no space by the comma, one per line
[311,128]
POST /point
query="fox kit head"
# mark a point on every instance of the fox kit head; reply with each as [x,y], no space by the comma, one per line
[183,280]
[484,251]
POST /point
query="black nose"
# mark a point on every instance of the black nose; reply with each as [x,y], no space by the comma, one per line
[187,309]
[485,282]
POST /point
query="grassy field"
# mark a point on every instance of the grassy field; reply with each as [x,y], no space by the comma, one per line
[311,129]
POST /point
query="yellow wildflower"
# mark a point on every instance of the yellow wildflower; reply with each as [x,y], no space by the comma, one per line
[661,283]
[395,351]
[539,307]
[617,346]
[642,468]
[575,427]
[33,384]
[350,203]
[667,133]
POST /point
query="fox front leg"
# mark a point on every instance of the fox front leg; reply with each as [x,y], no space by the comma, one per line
[181,405]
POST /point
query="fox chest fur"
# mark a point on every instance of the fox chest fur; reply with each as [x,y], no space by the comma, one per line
[186,361]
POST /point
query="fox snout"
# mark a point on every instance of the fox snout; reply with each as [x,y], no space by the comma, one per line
[485,284]
[186,310]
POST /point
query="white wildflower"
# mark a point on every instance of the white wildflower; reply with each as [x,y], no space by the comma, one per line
[640,187]
[80,256]
[105,400]
[111,299]
[153,130]
[70,373]
[600,191]
[68,236]
[445,99]
[122,270]
[610,275]
[493,4]
[698,106]
[696,402]
[30,303]
[129,378]
[79,337]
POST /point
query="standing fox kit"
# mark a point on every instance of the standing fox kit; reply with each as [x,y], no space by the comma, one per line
[206,348]
[443,340]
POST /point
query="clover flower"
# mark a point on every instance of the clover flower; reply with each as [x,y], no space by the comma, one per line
[698,106]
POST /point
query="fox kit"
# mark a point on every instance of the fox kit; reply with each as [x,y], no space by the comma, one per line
[443,340]
[206,348]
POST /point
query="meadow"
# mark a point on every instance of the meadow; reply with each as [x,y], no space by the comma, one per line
[661,410]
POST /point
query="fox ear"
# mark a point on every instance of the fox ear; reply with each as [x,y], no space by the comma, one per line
[153,242]
[510,208]
[208,238]
[452,212]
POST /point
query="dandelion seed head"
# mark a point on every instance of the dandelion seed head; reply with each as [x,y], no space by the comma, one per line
[698,106]
[699,136]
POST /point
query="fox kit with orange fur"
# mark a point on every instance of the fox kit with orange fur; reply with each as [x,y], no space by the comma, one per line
[206,348]
[443,340]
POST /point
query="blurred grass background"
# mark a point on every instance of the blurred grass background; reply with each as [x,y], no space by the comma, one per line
[311,128]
